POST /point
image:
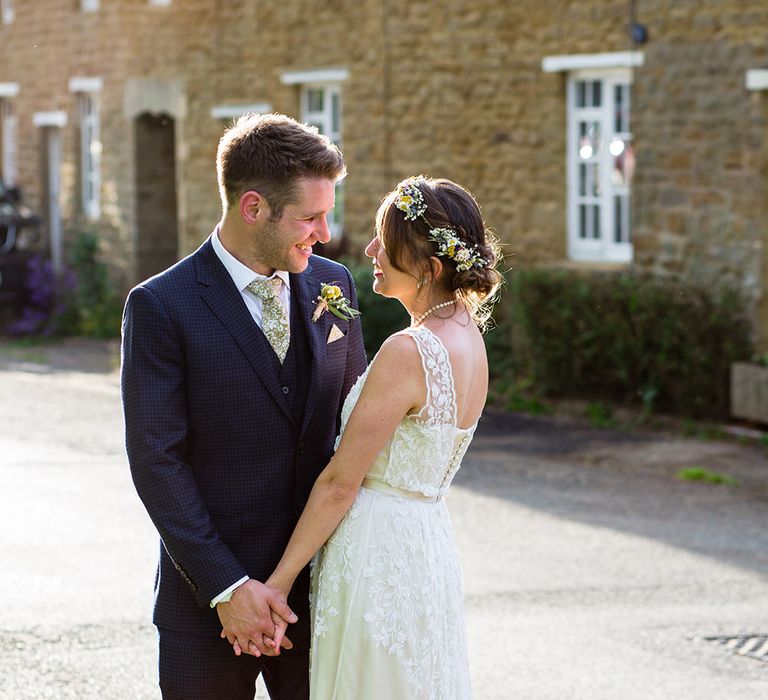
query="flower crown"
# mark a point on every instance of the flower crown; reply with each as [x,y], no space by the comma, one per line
[410,201]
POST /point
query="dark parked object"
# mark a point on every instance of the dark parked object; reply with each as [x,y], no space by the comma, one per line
[17,222]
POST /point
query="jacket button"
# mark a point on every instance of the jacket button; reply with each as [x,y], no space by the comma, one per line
[285,389]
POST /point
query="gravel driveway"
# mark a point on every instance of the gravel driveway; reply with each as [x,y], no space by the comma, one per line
[591,570]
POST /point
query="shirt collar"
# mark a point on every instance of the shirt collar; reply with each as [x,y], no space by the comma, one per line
[242,275]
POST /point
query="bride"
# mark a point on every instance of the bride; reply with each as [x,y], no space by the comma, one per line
[387,610]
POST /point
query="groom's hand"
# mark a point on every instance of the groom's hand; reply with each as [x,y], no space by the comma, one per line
[279,640]
[247,618]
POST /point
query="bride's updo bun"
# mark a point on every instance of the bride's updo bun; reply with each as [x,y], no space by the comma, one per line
[469,269]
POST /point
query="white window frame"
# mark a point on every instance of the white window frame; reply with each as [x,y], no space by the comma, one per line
[7,11]
[603,247]
[8,125]
[86,91]
[328,120]
[160,3]
[610,69]
[235,111]
[89,5]
[756,79]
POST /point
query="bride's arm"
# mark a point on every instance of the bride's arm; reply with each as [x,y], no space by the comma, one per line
[393,388]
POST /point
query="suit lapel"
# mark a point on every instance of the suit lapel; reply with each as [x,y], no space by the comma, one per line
[307,290]
[220,294]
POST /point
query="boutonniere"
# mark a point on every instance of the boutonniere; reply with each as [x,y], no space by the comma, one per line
[331,299]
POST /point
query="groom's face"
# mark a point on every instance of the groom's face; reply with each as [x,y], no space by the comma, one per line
[286,244]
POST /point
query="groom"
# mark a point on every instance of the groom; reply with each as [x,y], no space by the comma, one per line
[232,397]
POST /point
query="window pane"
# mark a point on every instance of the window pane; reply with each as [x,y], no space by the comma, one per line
[335,116]
[581,93]
[315,99]
[621,108]
[623,158]
[589,180]
[621,224]
[337,214]
[316,123]
[596,233]
[597,93]
[589,139]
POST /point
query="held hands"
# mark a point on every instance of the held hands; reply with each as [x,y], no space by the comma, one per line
[254,621]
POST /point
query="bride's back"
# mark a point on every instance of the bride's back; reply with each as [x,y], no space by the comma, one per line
[469,364]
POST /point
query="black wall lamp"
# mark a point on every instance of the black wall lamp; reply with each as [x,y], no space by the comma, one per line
[638,32]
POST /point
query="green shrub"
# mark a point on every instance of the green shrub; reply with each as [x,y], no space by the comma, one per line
[96,309]
[600,415]
[381,317]
[626,338]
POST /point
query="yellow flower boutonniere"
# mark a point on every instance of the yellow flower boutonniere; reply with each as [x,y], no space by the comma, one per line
[332,299]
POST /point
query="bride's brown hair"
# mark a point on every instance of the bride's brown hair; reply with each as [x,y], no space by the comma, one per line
[448,205]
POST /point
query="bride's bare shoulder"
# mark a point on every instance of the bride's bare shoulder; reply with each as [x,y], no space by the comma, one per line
[399,349]
[396,373]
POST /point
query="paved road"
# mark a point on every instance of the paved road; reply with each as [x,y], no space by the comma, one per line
[590,569]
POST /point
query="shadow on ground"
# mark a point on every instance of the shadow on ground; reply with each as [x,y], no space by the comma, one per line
[60,355]
[627,481]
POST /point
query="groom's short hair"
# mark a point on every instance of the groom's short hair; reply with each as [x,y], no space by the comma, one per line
[268,153]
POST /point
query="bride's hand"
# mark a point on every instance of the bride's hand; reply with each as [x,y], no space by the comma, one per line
[278,640]
[276,643]
[281,625]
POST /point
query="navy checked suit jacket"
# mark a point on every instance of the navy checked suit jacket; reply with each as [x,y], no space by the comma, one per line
[216,454]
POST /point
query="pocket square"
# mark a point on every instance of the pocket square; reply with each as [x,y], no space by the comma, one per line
[335,334]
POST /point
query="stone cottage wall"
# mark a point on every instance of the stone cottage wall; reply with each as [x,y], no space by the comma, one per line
[453,89]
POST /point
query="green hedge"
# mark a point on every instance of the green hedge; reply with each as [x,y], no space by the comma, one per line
[380,316]
[622,337]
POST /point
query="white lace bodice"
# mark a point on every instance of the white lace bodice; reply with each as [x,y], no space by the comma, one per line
[426,449]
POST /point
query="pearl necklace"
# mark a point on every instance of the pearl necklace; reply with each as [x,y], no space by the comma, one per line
[418,320]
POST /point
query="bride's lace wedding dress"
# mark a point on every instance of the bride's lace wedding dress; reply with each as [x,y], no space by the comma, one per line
[387,609]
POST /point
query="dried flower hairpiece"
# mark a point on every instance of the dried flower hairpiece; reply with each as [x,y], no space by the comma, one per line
[451,246]
[410,201]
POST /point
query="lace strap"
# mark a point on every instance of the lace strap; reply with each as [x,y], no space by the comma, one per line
[440,406]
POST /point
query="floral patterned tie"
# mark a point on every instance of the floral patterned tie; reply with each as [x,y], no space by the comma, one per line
[274,316]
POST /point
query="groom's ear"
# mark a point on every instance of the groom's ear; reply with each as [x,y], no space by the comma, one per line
[253,207]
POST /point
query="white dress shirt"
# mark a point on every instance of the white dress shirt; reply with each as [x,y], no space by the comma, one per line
[242,276]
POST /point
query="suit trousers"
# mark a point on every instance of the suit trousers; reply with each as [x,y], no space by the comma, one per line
[204,667]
